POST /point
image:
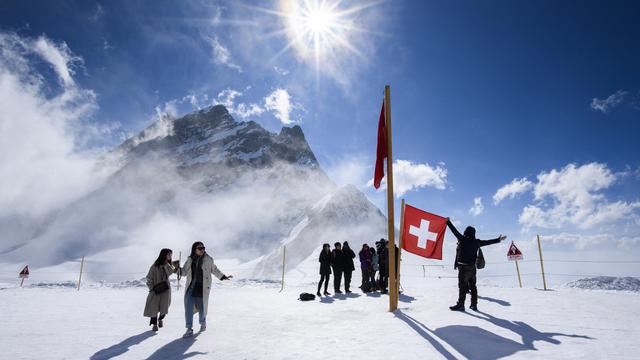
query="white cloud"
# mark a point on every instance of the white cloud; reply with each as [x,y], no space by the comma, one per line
[281,71]
[613,100]
[511,190]
[477,207]
[573,196]
[222,55]
[408,176]
[41,167]
[279,101]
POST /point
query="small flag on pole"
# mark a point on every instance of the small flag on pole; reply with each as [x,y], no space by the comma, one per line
[423,233]
[381,150]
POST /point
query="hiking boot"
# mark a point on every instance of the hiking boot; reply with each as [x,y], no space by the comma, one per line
[188,333]
[457,307]
[203,327]
[474,307]
[155,327]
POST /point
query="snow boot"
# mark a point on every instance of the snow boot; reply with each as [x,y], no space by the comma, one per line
[457,307]
[155,327]
[188,333]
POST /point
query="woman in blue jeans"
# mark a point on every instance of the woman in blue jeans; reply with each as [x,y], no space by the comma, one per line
[198,269]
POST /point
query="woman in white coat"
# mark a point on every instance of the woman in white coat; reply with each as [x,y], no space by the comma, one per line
[198,269]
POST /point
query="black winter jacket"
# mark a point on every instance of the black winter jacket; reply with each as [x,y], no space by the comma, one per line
[325,262]
[467,251]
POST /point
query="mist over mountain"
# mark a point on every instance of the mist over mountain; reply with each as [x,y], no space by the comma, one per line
[239,188]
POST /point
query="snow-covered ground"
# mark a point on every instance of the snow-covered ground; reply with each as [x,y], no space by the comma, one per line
[253,320]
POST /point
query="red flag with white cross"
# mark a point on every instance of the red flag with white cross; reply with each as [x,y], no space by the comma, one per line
[423,233]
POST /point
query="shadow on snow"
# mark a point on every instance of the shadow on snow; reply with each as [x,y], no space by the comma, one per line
[121,347]
[177,349]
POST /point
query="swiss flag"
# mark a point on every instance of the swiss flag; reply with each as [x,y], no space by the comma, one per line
[423,233]
[381,150]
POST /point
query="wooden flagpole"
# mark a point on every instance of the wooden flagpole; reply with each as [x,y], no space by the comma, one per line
[400,248]
[393,283]
[544,280]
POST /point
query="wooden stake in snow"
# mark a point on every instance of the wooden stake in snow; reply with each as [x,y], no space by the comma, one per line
[518,270]
[81,268]
[544,281]
[393,283]
[284,256]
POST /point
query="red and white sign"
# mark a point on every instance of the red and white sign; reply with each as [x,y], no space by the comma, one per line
[514,253]
[24,273]
[423,233]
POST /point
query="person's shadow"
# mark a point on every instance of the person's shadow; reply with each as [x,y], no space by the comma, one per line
[406,298]
[121,347]
[425,332]
[177,349]
[497,301]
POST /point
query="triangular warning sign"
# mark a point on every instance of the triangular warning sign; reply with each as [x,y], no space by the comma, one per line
[25,272]
[514,253]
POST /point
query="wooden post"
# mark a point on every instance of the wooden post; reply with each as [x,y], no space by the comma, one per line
[21,282]
[393,287]
[424,272]
[179,272]
[400,247]
[518,270]
[284,256]
[81,268]
[544,281]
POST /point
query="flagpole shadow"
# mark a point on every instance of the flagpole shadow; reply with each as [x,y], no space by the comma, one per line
[425,332]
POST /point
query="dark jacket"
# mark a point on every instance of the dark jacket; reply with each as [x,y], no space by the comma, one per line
[467,251]
[338,260]
[349,256]
[325,263]
[365,257]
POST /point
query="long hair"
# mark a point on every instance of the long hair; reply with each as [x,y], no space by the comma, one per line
[193,248]
[162,258]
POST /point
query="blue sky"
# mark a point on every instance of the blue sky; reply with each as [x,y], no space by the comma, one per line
[483,94]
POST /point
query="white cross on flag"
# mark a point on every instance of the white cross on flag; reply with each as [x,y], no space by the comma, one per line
[423,233]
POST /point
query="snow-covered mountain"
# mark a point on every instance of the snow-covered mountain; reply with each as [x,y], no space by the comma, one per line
[239,188]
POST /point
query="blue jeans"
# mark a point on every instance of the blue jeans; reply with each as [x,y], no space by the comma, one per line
[189,301]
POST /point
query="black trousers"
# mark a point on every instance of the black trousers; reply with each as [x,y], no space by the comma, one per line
[347,279]
[324,278]
[466,282]
[337,278]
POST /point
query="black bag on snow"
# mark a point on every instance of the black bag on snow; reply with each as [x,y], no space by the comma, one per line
[480,260]
[306,297]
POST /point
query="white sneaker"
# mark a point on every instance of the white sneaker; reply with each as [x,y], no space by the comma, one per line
[188,334]
[203,327]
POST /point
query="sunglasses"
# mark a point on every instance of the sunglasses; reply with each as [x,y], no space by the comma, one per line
[200,248]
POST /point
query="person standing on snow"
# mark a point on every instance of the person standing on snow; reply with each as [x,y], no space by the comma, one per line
[365,265]
[466,255]
[349,267]
[383,264]
[374,268]
[338,262]
[325,268]
[159,297]
[198,269]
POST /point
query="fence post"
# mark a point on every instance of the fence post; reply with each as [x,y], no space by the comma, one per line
[544,280]
[81,268]
[284,255]
[518,270]
[179,270]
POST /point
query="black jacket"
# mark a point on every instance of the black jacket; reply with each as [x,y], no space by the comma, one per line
[325,263]
[467,251]
[338,260]
[349,256]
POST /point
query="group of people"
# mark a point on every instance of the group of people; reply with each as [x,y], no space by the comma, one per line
[375,261]
[198,270]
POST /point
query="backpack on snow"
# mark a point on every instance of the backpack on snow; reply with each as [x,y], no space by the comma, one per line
[306,297]
[480,260]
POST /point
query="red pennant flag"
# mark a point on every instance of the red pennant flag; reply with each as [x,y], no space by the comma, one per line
[423,233]
[381,151]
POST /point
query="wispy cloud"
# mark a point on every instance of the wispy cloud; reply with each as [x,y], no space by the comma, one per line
[511,190]
[222,55]
[477,207]
[613,100]
[278,102]
[408,176]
